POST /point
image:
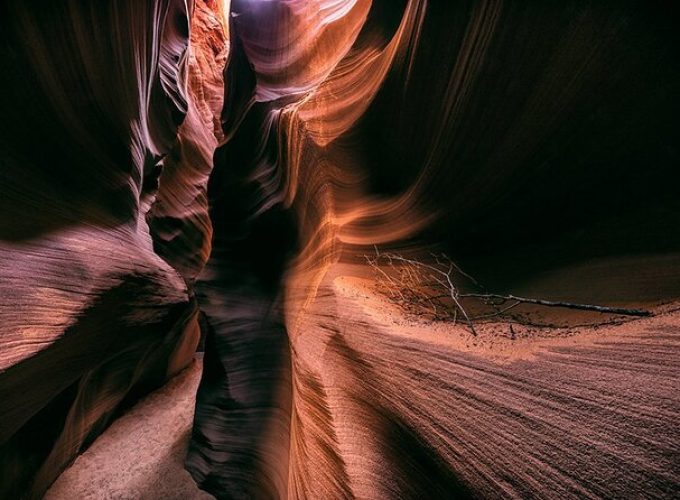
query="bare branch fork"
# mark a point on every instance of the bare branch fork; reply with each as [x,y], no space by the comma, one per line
[424,288]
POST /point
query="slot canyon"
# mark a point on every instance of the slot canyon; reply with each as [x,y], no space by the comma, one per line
[336,249]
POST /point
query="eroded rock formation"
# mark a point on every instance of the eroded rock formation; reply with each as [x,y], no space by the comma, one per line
[171,168]
[97,260]
[473,124]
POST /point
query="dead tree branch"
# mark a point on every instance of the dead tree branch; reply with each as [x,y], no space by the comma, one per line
[558,303]
[415,278]
[430,289]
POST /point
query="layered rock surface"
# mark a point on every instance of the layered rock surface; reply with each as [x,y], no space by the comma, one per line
[167,164]
[497,129]
[101,105]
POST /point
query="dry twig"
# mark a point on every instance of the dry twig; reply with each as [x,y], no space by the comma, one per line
[430,289]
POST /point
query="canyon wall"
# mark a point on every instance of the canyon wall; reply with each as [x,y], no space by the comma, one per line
[166,164]
[105,148]
[523,139]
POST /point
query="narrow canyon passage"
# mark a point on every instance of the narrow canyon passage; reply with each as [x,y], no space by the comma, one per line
[586,419]
[339,249]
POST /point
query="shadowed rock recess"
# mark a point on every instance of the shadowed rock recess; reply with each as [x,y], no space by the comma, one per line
[204,174]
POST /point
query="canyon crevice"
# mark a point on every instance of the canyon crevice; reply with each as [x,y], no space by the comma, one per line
[183,175]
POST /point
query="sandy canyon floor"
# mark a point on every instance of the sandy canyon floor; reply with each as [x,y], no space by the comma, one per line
[579,412]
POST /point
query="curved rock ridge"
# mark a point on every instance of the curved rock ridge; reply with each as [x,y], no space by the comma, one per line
[102,104]
[349,124]
[271,197]
[178,218]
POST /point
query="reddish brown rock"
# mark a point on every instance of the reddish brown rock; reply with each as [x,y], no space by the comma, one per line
[92,316]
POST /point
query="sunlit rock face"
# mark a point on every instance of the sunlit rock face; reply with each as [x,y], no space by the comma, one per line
[296,80]
[106,141]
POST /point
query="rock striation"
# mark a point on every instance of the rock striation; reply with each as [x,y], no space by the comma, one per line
[172,170]
[106,145]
